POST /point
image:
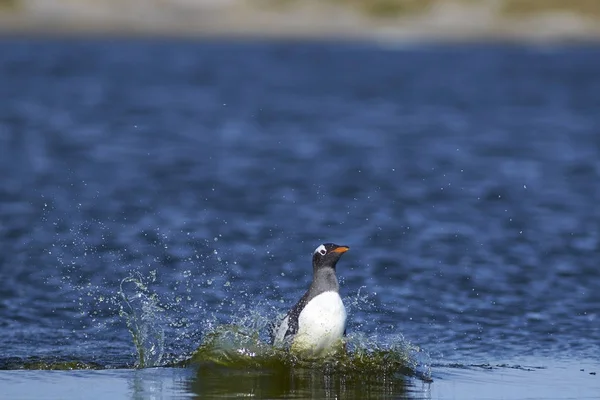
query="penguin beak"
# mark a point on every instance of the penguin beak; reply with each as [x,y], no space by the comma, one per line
[341,249]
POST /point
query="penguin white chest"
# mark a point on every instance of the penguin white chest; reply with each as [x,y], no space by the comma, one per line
[321,323]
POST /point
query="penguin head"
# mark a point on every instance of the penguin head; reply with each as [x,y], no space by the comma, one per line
[327,255]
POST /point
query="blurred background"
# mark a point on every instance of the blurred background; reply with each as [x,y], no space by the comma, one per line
[396,19]
[168,167]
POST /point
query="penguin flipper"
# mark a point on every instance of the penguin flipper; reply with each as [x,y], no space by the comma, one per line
[289,325]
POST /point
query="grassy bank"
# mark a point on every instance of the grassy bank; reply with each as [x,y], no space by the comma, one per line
[390,8]
[394,19]
[9,5]
[511,8]
[589,8]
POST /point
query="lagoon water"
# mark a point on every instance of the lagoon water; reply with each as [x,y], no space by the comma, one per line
[158,194]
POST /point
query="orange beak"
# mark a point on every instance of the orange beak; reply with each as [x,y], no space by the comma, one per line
[341,249]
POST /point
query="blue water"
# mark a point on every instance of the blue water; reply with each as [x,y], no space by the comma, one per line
[465,179]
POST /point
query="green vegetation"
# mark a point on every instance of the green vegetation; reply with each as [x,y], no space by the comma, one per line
[9,4]
[395,8]
[387,8]
[54,364]
[530,7]
[379,8]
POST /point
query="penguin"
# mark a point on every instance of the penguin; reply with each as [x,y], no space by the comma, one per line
[317,322]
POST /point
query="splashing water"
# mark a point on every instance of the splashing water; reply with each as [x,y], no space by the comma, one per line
[144,318]
[237,346]
[243,344]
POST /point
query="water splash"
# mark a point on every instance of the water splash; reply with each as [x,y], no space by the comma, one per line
[144,317]
[234,346]
[243,344]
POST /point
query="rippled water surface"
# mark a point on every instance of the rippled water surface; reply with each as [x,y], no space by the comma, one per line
[171,188]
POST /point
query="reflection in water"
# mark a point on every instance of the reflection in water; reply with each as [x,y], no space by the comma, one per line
[212,380]
[146,384]
[156,383]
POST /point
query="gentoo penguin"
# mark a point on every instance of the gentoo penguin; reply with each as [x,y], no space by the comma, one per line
[318,321]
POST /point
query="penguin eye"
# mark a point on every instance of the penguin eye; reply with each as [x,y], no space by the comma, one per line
[321,250]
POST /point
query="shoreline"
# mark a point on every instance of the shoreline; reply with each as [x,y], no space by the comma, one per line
[234,20]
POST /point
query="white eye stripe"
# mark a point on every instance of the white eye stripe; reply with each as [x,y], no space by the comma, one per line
[321,250]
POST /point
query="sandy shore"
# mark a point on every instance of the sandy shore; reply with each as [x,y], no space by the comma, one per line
[448,21]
